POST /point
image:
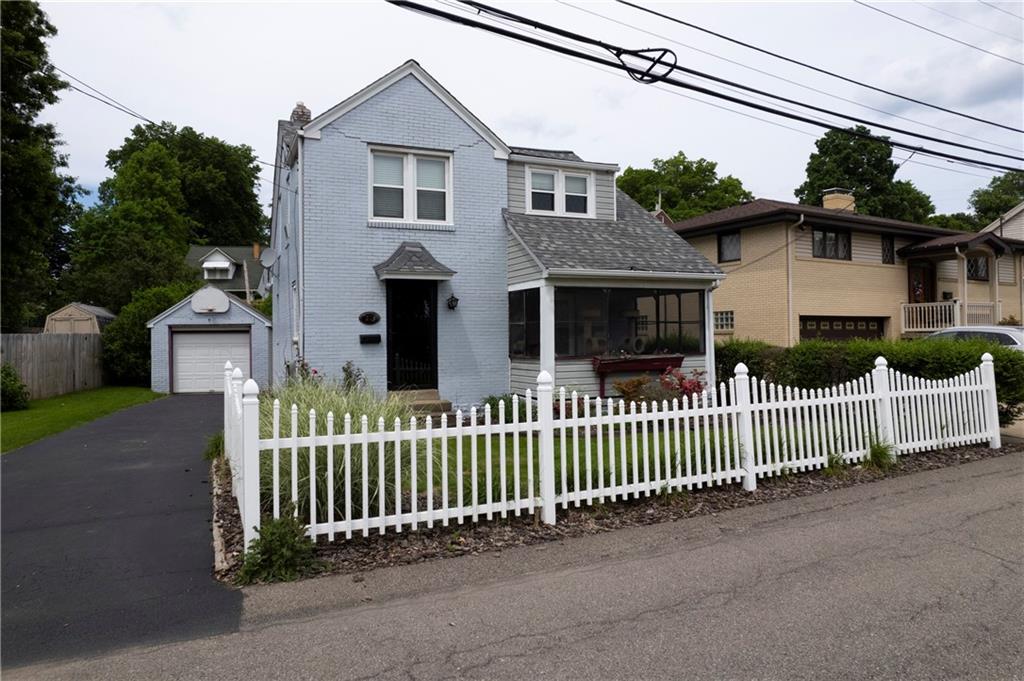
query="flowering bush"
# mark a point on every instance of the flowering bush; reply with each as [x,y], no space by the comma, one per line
[675,381]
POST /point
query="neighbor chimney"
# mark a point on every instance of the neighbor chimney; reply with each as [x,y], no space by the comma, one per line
[300,114]
[838,198]
[255,250]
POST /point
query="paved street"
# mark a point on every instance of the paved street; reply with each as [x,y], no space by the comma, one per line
[106,535]
[912,578]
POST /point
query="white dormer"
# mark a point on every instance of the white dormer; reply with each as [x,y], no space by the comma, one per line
[217,265]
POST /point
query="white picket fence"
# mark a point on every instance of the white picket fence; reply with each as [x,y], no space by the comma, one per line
[347,478]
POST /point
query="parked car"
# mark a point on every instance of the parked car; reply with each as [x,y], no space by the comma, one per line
[1012,336]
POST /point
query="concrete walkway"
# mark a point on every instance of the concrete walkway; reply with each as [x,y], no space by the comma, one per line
[917,577]
[106,535]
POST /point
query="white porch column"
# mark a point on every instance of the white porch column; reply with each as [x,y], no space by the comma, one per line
[547,330]
[709,339]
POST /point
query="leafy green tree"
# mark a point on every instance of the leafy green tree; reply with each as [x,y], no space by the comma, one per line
[219,182]
[864,166]
[964,222]
[137,238]
[688,188]
[1002,193]
[37,201]
[126,339]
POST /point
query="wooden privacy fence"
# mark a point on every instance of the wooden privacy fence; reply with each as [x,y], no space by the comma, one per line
[54,363]
[350,476]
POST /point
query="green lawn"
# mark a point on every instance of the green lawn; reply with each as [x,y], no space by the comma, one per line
[56,414]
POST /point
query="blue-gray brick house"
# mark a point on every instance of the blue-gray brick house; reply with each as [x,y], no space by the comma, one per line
[410,240]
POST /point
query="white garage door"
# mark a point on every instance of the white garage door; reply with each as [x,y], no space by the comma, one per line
[199,359]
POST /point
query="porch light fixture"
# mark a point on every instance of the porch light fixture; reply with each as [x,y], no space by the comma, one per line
[453,302]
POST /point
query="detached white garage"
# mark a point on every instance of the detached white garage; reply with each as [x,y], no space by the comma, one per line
[191,341]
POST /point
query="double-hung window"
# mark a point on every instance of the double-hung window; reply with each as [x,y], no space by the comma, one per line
[410,187]
[560,192]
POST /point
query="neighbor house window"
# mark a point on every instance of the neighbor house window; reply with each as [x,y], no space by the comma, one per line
[561,192]
[217,272]
[524,323]
[977,268]
[831,244]
[888,250]
[725,320]
[728,247]
[410,186]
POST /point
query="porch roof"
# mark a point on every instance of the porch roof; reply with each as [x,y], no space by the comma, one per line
[947,245]
[412,260]
[635,242]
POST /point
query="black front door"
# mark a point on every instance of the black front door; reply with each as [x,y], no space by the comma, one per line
[412,334]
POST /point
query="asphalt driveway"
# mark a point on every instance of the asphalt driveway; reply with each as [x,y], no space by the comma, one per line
[106,535]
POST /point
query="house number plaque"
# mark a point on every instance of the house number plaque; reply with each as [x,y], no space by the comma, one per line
[369,318]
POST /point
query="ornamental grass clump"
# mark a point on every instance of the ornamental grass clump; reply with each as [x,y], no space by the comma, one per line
[340,398]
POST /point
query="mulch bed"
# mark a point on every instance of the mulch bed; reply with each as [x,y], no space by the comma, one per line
[361,554]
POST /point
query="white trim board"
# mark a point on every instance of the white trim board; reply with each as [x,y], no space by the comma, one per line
[312,129]
[232,299]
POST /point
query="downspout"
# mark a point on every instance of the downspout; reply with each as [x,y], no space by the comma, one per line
[961,276]
[789,280]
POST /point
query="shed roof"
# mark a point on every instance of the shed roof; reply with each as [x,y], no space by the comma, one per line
[635,242]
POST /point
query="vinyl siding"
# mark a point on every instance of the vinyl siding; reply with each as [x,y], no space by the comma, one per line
[604,191]
[864,247]
[579,375]
[521,266]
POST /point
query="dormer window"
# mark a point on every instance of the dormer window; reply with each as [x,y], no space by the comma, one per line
[410,187]
[561,192]
[217,267]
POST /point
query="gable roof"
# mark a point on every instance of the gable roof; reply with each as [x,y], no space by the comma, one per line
[767,211]
[1004,218]
[236,254]
[633,244]
[412,260]
[409,68]
[952,241]
[232,299]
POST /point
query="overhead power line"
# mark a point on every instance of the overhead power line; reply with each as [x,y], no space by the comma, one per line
[660,59]
[938,33]
[969,23]
[790,81]
[646,75]
[1000,9]
[817,69]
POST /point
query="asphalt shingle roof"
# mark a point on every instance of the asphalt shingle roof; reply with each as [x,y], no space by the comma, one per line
[558,154]
[100,312]
[240,254]
[412,258]
[635,241]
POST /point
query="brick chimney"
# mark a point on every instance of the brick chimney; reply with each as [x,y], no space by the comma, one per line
[300,114]
[255,250]
[838,198]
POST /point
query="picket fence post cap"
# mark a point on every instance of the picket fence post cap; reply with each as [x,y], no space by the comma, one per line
[986,358]
[250,387]
[881,362]
[544,378]
[236,374]
[741,369]
[227,365]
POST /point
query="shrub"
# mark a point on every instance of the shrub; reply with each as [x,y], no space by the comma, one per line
[494,400]
[280,553]
[214,446]
[265,306]
[126,339]
[13,393]
[1009,321]
[632,389]
[880,456]
[819,363]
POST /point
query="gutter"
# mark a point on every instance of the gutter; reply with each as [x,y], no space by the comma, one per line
[544,161]
[789,280]
[633,274]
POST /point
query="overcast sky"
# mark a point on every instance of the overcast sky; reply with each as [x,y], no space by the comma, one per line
[233,69]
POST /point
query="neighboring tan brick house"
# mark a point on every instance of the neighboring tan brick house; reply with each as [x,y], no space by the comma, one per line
[409,239]
[796,272]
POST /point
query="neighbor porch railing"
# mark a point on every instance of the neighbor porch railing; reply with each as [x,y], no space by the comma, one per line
[981,314]
[351,476]
[928,317]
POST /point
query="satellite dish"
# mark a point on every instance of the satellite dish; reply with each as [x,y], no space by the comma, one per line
[210,300]
[268,257]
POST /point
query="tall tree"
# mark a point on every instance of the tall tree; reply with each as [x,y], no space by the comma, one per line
[37,201]
[1002,193]
[136,238]
[219,182]
[687,188]
[864,166]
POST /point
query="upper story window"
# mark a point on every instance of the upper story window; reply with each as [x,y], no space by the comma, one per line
[218,268]
[560,192]
[888,250]
[832,244]
[977,268]
[410,186]
[729,247]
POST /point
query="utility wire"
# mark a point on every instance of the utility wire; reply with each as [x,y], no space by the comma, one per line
[969,23]
[817,69]
[671,65]
[1000,9]
[639,74]
[934,32]
[781,78]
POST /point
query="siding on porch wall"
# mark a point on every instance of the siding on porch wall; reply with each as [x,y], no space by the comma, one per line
[341,249]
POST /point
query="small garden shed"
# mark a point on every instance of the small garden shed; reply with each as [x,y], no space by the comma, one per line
[191,340]
[78,318]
